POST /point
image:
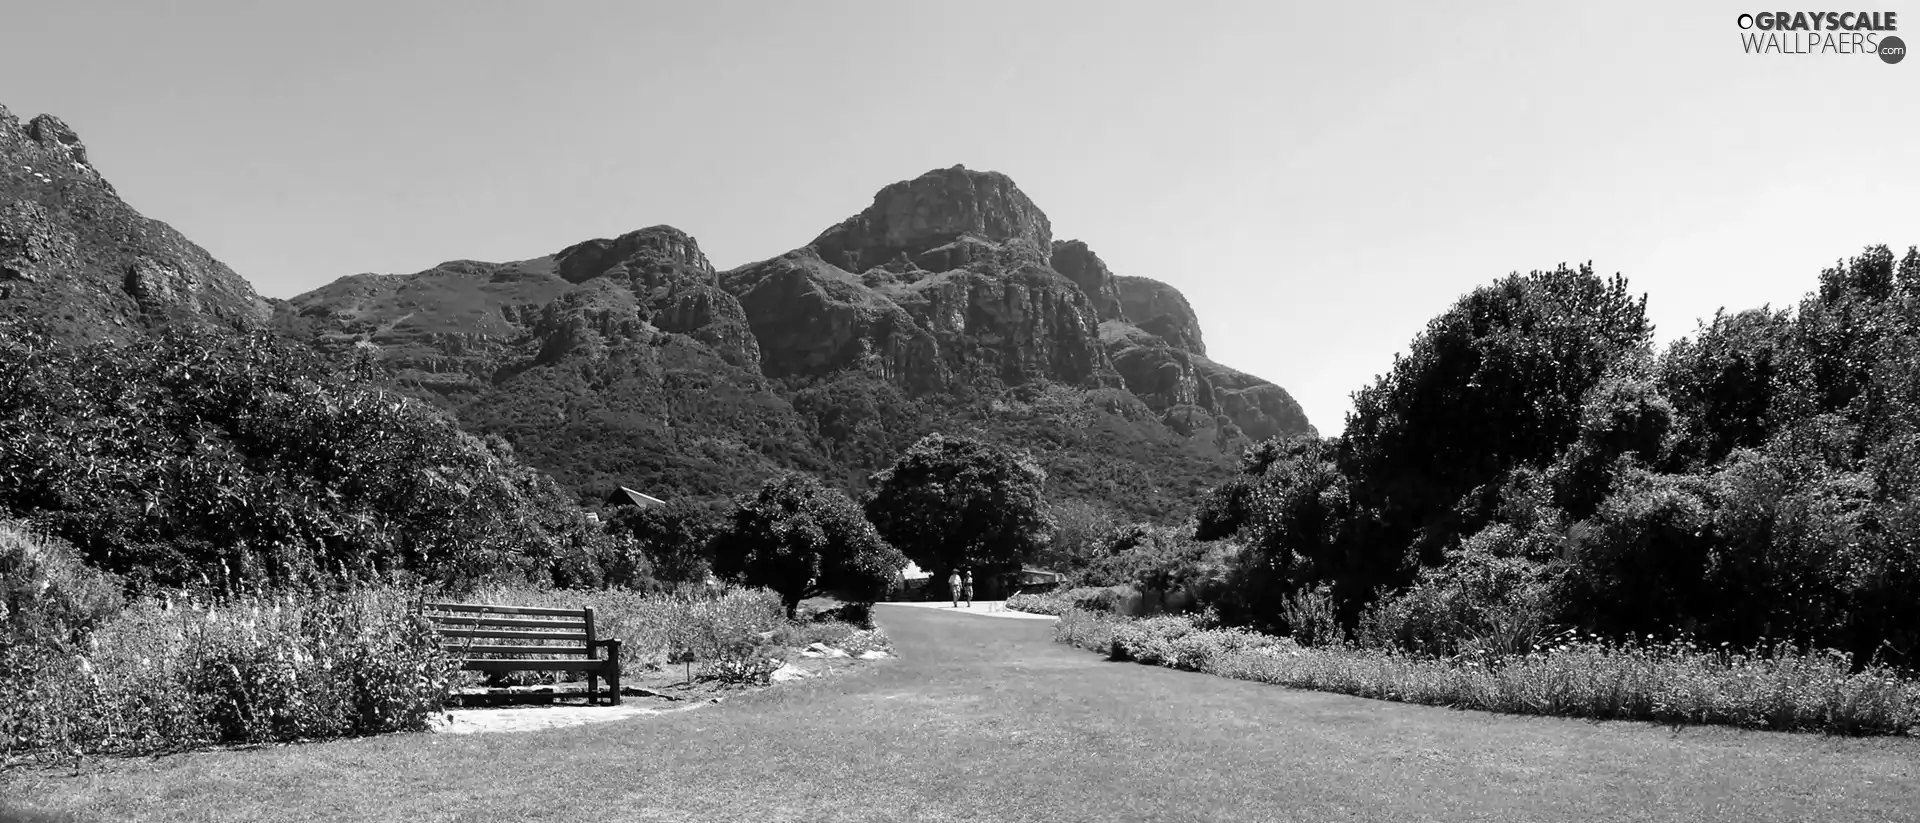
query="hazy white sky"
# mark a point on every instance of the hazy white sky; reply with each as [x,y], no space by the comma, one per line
[1320,180]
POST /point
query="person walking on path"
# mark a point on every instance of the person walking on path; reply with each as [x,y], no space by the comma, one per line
[966,588]
[953,587]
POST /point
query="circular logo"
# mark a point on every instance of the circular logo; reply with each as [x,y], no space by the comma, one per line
[1892,49]
[1745,21]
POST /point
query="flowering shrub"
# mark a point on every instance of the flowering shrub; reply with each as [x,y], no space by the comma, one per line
[1089,598]
[1781,688]
[169,675]
[1036,604]
[866,640]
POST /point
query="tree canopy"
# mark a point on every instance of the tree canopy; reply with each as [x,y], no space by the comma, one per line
[959,503]
[802,539]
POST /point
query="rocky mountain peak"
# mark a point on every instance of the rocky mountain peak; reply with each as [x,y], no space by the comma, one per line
[46,147]
[655,250]
[78,258]
[54,134]
[935,210]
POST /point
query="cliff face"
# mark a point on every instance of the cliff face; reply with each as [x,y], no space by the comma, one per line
[1160,310]
[1078,263]
[86,264]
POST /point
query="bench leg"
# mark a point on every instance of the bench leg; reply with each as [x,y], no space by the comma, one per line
[613,669]
[593,688]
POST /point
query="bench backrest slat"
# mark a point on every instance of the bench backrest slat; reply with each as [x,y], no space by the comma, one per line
[509,634]
[488,649]
[492,609]
[461,621]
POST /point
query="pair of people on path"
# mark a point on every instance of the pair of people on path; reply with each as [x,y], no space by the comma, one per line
[961,588]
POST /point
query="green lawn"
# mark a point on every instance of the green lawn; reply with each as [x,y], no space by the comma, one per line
[988,719]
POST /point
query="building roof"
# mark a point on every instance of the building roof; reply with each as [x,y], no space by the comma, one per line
[624,496]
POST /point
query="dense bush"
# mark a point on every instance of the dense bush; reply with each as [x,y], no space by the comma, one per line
[47,595]
[202,458]
[1079,536]
[1531,466]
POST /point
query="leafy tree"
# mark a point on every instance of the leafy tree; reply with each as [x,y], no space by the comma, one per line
[1732,383]
[1158,560]
[802,539]
[675,538]
[1298,529]
[956,502]
[1075,544]
[1623,416]
[1495,382]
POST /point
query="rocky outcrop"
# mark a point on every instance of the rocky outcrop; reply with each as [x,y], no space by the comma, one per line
[645,254]
[1078,263]
[1004,328]
[813,319]
[1161,374]
[86,265]
[929,212]
[1162,310]
[943,284]
[1259,408]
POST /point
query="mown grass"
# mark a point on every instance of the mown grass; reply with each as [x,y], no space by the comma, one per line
[990,720]
[1784,689]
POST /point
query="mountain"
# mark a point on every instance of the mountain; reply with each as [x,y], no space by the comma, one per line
[609,361]
[86,264]
[946,305]
[952,282]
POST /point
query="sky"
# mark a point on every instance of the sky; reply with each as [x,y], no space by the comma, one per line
[1319,180]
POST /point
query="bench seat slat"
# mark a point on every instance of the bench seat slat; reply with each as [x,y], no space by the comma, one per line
[461,620]
[571,664]
[492,609]
[479,649]
[509,634]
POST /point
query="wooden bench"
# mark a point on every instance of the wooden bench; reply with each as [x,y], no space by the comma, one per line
[466,628]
